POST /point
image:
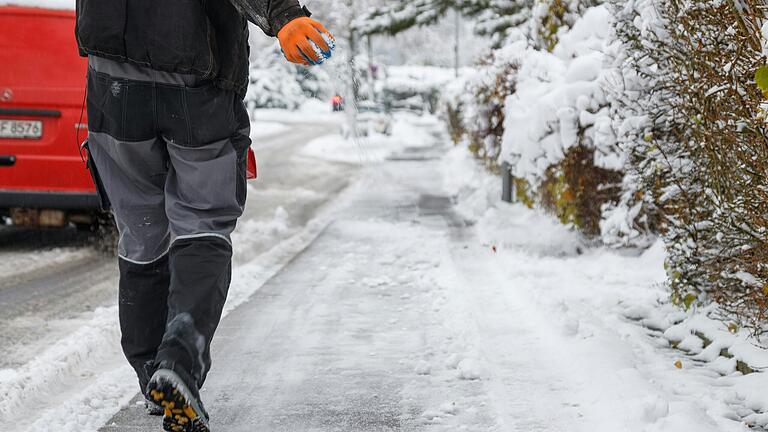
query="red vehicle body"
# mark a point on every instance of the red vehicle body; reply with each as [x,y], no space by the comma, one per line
[43,177]
[43,180]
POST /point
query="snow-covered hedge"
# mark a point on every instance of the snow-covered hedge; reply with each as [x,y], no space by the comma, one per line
[698,148]
[474,105]
[557,131]
[632,120]
[547,115]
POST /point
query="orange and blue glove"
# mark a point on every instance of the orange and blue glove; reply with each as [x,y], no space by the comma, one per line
[306,41]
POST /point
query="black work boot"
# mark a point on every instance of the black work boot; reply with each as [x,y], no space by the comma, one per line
[145,373]
[182,409]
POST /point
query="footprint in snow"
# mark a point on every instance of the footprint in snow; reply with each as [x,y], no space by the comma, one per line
[470,370]
[423,368]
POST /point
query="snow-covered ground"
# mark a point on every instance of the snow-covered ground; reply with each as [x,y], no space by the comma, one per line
[262,129]
[18,263]
[312,111]
[375,147]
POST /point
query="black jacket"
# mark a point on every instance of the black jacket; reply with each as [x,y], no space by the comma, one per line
[208,38]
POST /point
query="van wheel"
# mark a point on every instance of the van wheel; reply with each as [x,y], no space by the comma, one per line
[105,234]
[85,227]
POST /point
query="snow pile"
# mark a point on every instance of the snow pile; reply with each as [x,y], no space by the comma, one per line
[311,110]
[89,351]
[501,225]
[21,263]
[710,347]
[560,102]
[375,147]
[264,129]
[46,4]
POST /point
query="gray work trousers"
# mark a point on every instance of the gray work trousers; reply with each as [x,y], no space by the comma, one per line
[169,155]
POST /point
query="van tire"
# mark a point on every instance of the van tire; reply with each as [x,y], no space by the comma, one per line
[105,234]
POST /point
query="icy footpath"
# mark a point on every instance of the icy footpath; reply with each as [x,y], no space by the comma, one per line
[585,339]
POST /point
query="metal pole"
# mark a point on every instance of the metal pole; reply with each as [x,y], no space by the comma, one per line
[370,52]
[353,51]
[371,94]
[506,182]
[456,46]
[353,65]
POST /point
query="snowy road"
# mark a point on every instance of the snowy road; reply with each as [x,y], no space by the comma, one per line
[48,280]
[57,293]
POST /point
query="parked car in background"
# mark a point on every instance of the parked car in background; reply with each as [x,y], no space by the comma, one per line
[43,177]
[414,104]
[371,118]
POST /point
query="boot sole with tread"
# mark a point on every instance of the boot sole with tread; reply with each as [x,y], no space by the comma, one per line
[179,411]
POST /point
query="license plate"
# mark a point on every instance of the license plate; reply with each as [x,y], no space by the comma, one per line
[23,129]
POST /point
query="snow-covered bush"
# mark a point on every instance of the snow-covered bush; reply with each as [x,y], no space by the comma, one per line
[474,105]
[696,139]
[551,18]
[645,124]
[276,83]
[633,119]
[558,137]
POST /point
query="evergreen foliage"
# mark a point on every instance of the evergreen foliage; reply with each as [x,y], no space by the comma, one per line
[700,155]
[493,17]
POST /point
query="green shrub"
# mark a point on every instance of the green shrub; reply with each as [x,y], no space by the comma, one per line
[575,190]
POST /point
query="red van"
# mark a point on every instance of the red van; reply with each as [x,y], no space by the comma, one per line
[43,176]
[43,180]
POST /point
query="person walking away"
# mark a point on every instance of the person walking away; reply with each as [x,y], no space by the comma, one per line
[167,146]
